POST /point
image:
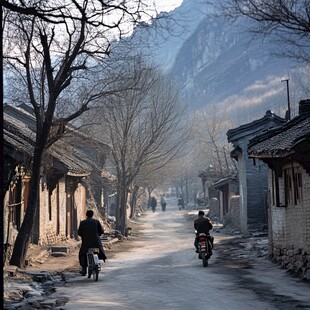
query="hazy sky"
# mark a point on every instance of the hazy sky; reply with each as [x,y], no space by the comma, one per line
[167,5]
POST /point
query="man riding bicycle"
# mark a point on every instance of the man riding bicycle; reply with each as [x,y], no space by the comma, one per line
[90,231]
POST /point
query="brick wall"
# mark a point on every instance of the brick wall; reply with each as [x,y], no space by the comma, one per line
[53,230]
[290,239]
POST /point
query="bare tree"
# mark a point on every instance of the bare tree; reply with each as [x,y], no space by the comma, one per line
[209,131]
[284,21]
[144,128]
[156,179]
[49,45]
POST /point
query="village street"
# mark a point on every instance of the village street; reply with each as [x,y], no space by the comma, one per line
[161,271]
[108,102]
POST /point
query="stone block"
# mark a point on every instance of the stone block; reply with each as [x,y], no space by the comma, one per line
[290,253]
[41,276]
[307,275]
[11,270]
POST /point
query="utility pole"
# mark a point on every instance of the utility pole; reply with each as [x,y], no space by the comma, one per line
[288,99]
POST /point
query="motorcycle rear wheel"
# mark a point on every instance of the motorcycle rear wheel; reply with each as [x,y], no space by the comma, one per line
[204,259]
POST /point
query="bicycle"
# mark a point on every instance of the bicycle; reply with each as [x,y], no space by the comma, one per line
[93,264]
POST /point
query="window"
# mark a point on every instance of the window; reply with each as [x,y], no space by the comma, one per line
[298,187]
[288,186]
[293,186]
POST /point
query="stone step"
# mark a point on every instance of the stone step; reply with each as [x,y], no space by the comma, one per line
[60,249]
[59,254]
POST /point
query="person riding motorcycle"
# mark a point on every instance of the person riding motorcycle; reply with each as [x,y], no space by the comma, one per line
[203,224]
[90,231]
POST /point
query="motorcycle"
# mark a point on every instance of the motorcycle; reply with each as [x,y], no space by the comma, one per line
[204,248]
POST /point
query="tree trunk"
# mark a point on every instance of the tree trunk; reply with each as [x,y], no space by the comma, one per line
[133,201]
[122,215]
[117,209]
[186,189]
[23,237]
[132,205]
[121,208]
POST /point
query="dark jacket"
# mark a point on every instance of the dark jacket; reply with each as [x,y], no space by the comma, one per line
[203,225]
[90,231]
[181,202]
[153,202]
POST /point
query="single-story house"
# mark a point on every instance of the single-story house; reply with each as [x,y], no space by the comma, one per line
[286,151]
[227,187]
[68,166]
[253,182]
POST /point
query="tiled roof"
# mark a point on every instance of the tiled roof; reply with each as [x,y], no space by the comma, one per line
[20,136]
[76,163]
[108,176]
[21,139]
[246,129]
[281,141]
[68,155]
[220,183]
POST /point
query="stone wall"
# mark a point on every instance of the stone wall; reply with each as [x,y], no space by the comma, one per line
[214,207]
[232,218]
[294,259]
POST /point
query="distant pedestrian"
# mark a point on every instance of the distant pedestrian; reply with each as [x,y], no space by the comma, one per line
[163,202]
[153,204]
[181,202]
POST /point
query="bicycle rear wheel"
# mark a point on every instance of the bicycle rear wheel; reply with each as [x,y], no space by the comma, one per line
[89,271]
[95,272]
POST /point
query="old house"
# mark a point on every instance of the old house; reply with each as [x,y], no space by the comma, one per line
[69,166]
[286,151]
[252,179]
[227,188]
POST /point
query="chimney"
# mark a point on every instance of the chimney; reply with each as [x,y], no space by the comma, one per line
[304,107]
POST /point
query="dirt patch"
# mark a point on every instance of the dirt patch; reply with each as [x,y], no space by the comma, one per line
[125,244]
[236,253]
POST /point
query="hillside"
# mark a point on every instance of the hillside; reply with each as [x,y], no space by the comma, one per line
[217,63]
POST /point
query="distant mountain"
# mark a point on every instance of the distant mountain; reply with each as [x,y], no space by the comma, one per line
[185,20]
[217,63]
